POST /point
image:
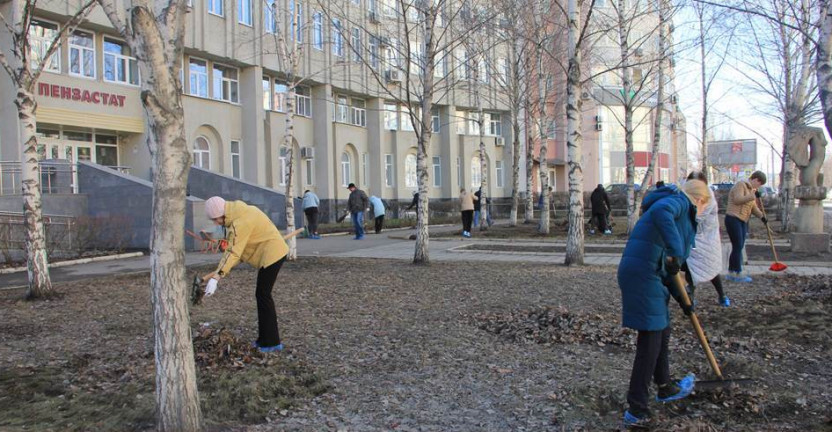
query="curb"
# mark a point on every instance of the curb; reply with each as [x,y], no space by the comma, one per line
[77,261]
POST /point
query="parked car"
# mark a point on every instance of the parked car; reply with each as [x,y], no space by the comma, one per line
[722,187]
[768,192]
[619,188]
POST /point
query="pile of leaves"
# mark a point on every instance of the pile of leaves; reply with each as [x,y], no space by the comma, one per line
[548,325]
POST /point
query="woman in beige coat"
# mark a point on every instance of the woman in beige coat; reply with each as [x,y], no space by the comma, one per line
[466,204]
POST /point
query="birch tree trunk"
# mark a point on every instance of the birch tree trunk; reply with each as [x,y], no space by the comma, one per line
[515,172]
[483,171]
[574,140]
[288,141]
[529,214]
[37,263]
[627,98]
[156,37]
[824,64]
[703,144]
[543,171]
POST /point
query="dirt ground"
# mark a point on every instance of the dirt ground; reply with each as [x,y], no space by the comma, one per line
[386,345]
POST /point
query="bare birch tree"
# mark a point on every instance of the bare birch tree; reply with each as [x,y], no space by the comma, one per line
[155,33]
[24,65]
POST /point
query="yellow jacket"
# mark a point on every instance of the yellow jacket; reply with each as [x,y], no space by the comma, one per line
[742,202]
[252,238]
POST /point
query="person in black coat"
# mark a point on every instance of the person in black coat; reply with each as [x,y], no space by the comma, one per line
[600,209]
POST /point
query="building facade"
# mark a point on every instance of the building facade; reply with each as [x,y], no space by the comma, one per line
[351,125]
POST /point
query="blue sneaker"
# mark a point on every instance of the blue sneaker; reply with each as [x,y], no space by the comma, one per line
[678,390]
[631,419]
[275,348]
[725,301]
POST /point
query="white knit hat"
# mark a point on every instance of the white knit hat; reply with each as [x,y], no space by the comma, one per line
[215,207]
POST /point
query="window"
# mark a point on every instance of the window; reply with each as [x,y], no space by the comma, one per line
[280,91]
[235,159]
[225,84]
[269,16]
[296,11]
[502,65]
[460,122]
[303,101]
[106,150]
[356,45]
[391,118]
[392,55]
[346,166]
[358,2]
[309,174]
[215,7]
[371,6]
[410,170]
[337,38]
[473,123]
[198,75]
[461,64]
[484,73]
[389,8]
[365,162]
[119,66]
[434,120]
[439,65]
[373,52]
[437,171]
[283,160]
[244,12]
[202,153]
[41,35]
[358,113]
[458,172]
[342,109]
[495,126]
[82,54]
[499,167]
[267,93]
[551,130]
[476,172]
[407,123]
[318,31]
[389,175]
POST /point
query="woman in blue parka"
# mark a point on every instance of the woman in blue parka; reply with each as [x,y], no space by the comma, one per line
[658,245]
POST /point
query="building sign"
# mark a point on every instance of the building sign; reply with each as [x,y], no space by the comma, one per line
[80,95]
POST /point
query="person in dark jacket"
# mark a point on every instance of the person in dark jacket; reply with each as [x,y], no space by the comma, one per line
[357,203]
[600,209]
[478,208]
[659,244]
[415,202]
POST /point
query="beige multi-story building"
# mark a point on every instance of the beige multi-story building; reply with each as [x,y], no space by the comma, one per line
[350,127]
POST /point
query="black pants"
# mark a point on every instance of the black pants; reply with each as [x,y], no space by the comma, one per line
[379,223]
[651,362]
[312,220]
[269,335]
[717,281]
[467,218]
[601,221]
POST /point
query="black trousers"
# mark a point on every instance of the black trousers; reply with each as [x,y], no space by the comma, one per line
[312,220]
[601,221]
[651,362]
[269,335]
[467,218]
[379,223]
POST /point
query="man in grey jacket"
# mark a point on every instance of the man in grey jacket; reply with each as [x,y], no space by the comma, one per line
[357,204]
[310,208]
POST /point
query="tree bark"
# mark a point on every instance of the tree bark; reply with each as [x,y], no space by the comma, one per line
[288,141]
[515,172]
[529,213]
[37,263]
[155,37]
[574,143]
[824,64]
[543,165]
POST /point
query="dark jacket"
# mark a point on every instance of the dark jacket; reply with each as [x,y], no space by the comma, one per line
[478,201]
[358,201]
[600,201]
[666,229]
[415,202]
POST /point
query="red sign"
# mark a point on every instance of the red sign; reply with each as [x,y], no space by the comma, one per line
[76,94]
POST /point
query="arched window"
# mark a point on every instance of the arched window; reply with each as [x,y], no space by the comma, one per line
[476,172]
[202,153]
[410,171]
[346,169]
[284,165]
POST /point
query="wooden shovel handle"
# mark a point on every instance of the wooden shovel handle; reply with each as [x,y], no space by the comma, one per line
[768,231]
[700,334]
[292,234]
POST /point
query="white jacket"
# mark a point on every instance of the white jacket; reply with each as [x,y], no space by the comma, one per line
[705,261]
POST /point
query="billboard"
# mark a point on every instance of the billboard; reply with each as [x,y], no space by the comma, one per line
[732,155]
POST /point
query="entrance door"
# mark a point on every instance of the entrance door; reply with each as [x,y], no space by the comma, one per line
[72,152]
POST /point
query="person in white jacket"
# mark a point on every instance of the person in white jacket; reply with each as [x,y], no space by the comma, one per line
[705,261]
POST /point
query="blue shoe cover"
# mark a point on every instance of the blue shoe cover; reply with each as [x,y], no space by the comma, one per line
[271,348]
[685,388]
[725,302]
[632,420]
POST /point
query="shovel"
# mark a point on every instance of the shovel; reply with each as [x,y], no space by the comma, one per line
[703,340]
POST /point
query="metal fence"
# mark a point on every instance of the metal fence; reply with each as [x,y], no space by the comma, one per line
[60,235]
[57,176]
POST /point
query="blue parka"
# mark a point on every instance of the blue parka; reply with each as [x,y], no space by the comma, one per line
[667,228]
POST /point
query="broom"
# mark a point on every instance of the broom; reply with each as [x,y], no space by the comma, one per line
[776,266]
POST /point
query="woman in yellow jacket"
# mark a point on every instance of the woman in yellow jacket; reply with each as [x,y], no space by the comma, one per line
[252,238]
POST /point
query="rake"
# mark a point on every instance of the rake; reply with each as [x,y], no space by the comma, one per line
[776,266]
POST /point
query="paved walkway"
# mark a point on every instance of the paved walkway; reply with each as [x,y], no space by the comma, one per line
[391,244]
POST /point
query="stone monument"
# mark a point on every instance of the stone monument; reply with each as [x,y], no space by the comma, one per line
[807,148]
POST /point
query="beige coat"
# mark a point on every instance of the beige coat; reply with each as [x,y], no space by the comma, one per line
[742,202]
[466,201]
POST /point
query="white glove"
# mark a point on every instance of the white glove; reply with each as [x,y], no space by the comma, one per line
[211,288]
